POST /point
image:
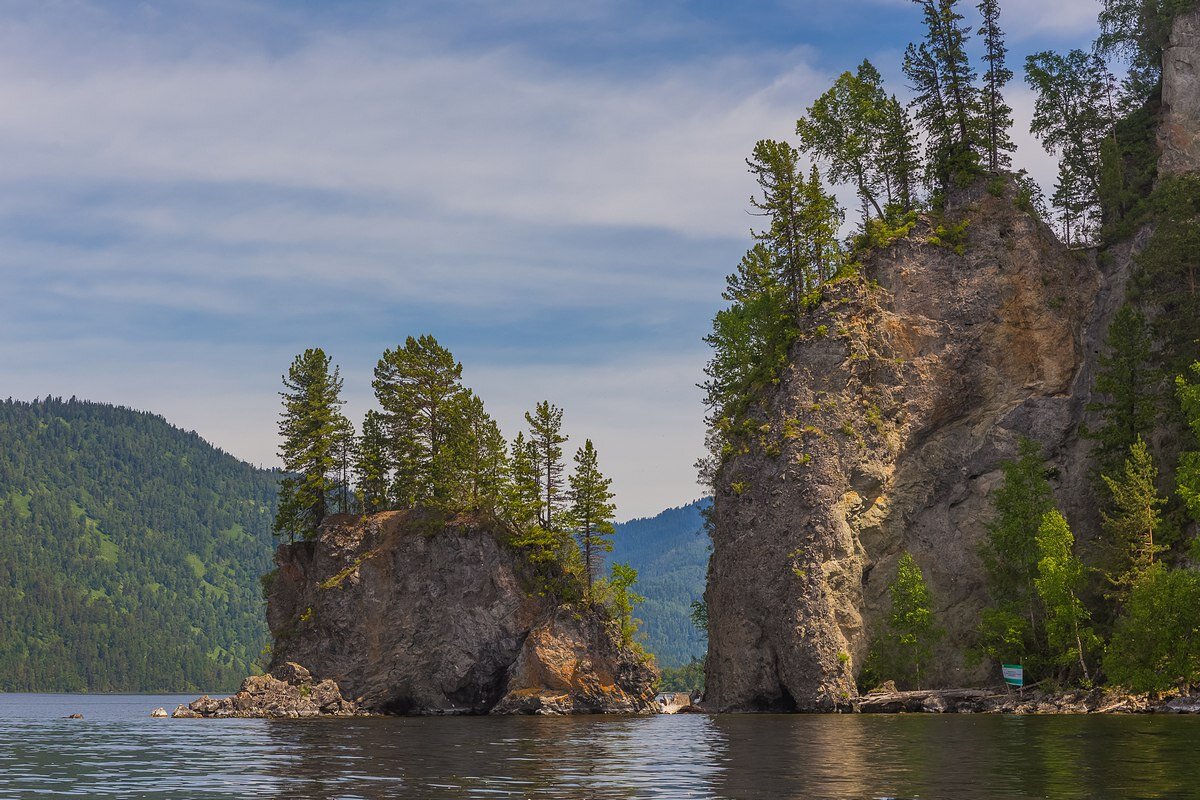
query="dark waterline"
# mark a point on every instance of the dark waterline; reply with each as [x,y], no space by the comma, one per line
[118,751]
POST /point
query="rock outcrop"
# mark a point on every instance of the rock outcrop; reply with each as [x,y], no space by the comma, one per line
[885,434]
[412,616]
[1179,132]
[289,692]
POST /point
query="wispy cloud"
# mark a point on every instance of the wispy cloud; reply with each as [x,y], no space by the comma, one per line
[193,192]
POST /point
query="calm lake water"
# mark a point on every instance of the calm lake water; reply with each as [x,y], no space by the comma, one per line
[118,751]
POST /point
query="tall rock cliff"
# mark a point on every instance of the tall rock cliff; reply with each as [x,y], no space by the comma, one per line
[887,428]
[885,434]
[1180,130]
[411,616]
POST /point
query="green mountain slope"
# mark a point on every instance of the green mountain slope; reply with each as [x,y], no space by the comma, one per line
[670,553]
[130,553]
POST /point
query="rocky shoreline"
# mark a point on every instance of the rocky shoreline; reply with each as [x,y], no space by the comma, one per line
[998,700]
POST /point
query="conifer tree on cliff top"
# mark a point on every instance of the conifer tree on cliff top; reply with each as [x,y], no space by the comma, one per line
[947,100]
[371,471]
[310,424]
[418,387]
[545,443]
[997,115]
[592,510]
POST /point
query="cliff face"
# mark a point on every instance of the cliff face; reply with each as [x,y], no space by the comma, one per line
[1179,135]
[415,618]
[885,434]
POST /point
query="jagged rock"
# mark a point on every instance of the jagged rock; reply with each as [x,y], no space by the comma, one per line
[159,712]
[287,693]
[411,614]
[885,434]
[1179,132]
[570,664]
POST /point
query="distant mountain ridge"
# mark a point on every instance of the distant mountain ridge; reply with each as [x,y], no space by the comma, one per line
[670,552]
[130,552]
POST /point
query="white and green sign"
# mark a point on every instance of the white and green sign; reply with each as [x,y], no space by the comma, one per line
[1014,674]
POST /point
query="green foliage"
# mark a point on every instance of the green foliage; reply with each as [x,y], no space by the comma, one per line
[670,553]
[906,645]
[1124,390]
[1128,168]
[312,428]
[688,677]
[104,514]
[371,464]
[1135,517]
[1069,639]
[952,236]
[1156,644]
[867,139]
[879,233]
[996,114]
[418,388]
[1012,627]
[592,510]
[1187,474]
[617,595]
[1073,114]
[946,99]
[1170,268]
[1137,31]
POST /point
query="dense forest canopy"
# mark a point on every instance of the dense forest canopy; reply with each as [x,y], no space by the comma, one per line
[130,553]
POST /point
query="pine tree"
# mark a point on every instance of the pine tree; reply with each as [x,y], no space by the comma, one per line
[1187,474]
[592,510]
[309,425]
[371,464]
[997,115]
[478,454]
[1060,578]
[776,167]
[418,387]
[545,442]
[931,113]
[344,443]
[1124,389]
[946,98]
[1136,517]
[898,159]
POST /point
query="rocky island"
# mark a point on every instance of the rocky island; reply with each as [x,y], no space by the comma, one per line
[404,613]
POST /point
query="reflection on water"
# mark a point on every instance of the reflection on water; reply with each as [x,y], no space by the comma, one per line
[117,752]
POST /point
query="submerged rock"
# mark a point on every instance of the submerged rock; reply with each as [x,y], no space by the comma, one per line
[411,614]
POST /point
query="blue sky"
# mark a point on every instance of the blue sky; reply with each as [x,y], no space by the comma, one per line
[194,192]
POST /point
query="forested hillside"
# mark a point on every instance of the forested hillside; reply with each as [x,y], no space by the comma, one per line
[670,553]
[130,552]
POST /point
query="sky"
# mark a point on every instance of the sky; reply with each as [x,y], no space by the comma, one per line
[193,193]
